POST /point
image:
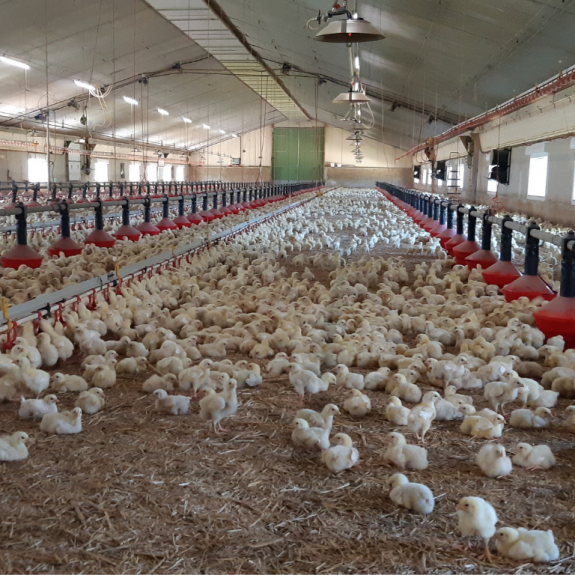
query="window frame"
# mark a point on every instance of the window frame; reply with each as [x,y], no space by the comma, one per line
[532,157]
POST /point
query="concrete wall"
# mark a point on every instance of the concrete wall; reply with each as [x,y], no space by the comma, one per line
[227,174]
[557,206]
[366,177]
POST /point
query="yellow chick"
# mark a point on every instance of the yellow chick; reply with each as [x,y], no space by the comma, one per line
[477,518]
[493,461]
[533,457]
[64,423]
[415,497]
[570,421]
[342,455]
[91,401]
[358,404]
[527,419]
[311,438]
[404,455]
[421,416]
[526,545]
[13,447]
[395,412]
[323,419]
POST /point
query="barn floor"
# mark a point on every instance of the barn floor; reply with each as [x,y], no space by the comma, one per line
[138,492]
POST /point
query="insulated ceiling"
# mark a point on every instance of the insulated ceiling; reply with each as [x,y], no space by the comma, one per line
[128,43]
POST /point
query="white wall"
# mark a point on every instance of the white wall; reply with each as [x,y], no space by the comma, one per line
[377,155]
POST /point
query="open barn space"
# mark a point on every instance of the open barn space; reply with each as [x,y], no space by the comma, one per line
[140,491]
[287,287]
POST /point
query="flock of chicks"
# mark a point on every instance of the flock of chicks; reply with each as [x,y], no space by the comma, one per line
[437,326]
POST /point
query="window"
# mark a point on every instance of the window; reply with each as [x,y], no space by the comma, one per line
[134,172]
[101,171]
[152,172]
[537,184]
[166,173]
[37,170]
[180,173]
[573,193]
[440,183]
[492,186]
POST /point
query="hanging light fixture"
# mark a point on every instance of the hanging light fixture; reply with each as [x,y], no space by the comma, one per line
[352,97]
[349,30]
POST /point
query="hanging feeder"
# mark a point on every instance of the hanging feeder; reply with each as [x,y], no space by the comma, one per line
[146,227]
[459,236]
[21,254]
[65,244]
[127,231]
[529,285]
[181,220]
[166,223]
[99,237]
[503,272]
[483,257]
[469,246]
[558,316]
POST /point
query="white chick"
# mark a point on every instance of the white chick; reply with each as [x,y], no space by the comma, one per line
[527,419]
[377,379]
[533,457]
[280,364]
[311,438]
[404,389]
[91,401]
[547,398]
[64,423]
[132,365]
[217,406]
[415,497]
[172,404]
[347,378]
[358,404]
[404,455]
[485,423]
[523,544]
[447,410]
[477,518]
[158,382]
[493,460]
[36,380]
[569,421]
[342,455]
[395,412]
[499,393]
[452,396]
[65,382]
[37,408]
[104,377]
[323,419]
[48,352]
[13,447]
[421,416]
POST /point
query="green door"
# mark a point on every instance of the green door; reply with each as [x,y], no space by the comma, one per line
[297,154]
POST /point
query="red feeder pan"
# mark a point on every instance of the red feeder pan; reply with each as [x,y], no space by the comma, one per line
[101,239]
[501,273]
[182,222]
[446,235]
[128,232]
[66,245]
[454,242]
[21,255]
[464,250]
[558,318]
[528,286]
[483,258]
[430,225]
[216,213]
[207,215]
[434,232]
[195,219]
[166,224]
[148,229]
